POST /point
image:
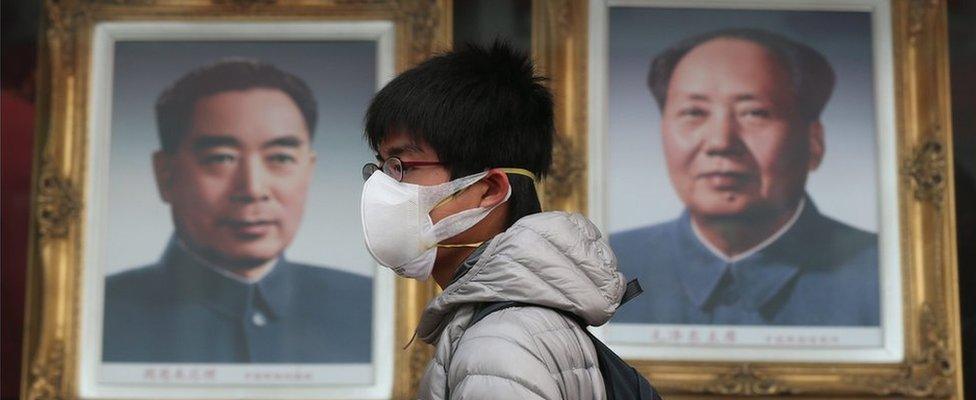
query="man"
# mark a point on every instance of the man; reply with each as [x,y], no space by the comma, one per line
[459,139]
[235,167]
[741,130]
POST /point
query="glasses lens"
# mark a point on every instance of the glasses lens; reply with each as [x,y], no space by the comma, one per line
[368,170]
[394,168]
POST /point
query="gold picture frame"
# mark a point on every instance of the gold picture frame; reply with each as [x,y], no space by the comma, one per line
[931,365]
[63,174]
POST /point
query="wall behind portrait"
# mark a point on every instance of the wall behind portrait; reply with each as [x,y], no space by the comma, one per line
[342,77]
[638,189]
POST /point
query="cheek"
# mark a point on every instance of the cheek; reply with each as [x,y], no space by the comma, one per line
[777,151]
[198,191]
[679,147]
[292,193]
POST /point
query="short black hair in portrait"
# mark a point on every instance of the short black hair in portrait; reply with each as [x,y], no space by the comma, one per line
[174,108]
[478,108]
[811,74]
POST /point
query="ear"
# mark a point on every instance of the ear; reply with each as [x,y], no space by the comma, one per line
[815,134]
[163,170]
[497,187]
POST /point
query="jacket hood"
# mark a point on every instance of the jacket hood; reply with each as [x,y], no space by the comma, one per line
[554,259]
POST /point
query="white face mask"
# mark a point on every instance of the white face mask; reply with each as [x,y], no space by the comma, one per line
[396,220]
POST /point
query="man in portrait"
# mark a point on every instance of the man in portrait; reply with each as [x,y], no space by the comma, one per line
[235,165]
[741,131]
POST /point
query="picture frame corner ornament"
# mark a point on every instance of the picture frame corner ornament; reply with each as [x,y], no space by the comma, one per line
[568,168]
[422,18]
[925,168]
[926,375]
[47,372]
[62,15]
[243,5]
[562,14]
[745,380]
[58,203]
[919,12]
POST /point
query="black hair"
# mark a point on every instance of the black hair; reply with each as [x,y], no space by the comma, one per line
[811,74]
[478,108]
[174,107]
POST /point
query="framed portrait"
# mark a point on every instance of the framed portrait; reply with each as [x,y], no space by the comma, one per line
[769,172]
[197,222]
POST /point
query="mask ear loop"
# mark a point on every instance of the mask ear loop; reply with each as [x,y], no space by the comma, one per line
[454,246]
[517,171]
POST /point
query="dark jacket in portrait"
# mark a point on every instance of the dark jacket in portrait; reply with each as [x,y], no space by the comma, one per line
[820,272]
[181,311]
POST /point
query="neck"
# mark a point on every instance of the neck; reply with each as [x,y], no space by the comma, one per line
[253,274]
[447,262]
[448,259]
[735,235]
[247,273]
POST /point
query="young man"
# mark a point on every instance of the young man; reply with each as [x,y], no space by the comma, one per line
[460,140]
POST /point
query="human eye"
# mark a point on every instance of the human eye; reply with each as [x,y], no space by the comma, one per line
[761,113]
[282,159]
[692,112]
[218,158]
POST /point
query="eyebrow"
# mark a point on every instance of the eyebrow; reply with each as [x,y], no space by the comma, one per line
[210,141]
[207,142]
[746,97]
[396,151]
[285,141]
[740,97]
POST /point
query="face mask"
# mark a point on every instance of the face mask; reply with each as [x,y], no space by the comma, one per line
[396,220]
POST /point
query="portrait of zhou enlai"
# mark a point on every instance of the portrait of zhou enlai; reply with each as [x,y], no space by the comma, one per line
[234,166]
[741,132]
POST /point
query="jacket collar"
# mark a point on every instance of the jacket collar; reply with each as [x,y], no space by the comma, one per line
[552,259]
[469,262]
[199,282]
[756,278]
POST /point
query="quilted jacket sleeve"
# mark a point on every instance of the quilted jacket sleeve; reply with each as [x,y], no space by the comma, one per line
[490,367]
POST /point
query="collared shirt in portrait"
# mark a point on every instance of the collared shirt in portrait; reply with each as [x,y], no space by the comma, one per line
[817,272]
[183,311]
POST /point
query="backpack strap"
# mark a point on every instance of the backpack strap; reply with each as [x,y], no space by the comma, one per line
[620,380]
[633,289]
[487,308]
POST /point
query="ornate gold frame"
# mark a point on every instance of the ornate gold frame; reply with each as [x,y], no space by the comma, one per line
[932,366]
[52,329]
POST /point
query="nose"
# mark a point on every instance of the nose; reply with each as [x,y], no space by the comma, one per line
[251,183]
[722,135]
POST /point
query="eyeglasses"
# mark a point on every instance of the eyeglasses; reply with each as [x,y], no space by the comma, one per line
[394,167]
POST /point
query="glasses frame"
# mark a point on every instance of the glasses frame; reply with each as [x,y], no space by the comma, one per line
[394,167]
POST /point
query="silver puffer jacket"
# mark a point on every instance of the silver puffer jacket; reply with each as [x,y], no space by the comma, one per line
[553,259]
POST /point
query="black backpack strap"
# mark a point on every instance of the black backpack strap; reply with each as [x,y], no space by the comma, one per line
[620,380]
[633,289]
[487,308]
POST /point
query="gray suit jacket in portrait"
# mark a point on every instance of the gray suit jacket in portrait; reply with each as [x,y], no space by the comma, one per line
[820,272]
[180,311]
